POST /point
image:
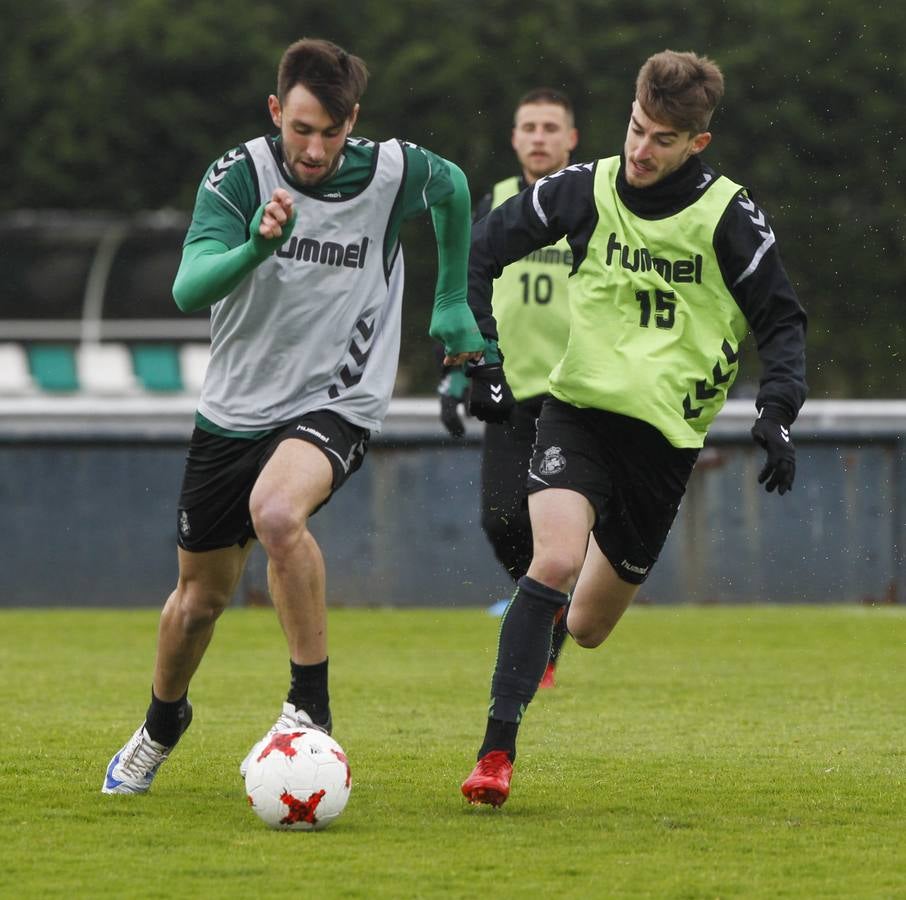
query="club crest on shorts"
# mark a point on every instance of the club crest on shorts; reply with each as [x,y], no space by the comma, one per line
[553,462]
[184,528]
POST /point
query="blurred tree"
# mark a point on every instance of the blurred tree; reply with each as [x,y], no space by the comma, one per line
[124,101]
[122,107]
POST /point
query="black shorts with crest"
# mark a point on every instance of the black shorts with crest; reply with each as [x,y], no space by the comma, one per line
[221,471]
[632,476]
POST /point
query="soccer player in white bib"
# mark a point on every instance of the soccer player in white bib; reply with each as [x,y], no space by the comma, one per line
[673,264]
[294,246]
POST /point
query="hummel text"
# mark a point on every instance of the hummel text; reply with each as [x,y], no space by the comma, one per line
[317,434]
[326,253]
[639,570]
[680,271]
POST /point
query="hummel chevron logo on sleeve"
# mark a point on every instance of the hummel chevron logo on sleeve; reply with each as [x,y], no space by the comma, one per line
[758,220]
[749,206]
[222,166]
[785,433]
[536,203]
[497,392]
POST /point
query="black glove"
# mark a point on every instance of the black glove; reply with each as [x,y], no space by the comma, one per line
[771,431]
[491,399]
[453,390]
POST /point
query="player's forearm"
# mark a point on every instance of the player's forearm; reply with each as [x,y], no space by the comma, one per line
[453,230]
[782,354]
[482,272]
[451,321]
[767,299]
[778,323]
[506,234]
[209,270]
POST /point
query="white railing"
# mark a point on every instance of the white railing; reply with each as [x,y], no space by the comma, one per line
[413,418]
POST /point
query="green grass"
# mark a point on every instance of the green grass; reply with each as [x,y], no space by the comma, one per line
[702,752]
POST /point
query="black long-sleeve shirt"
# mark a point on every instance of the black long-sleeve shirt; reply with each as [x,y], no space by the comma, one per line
[744,243]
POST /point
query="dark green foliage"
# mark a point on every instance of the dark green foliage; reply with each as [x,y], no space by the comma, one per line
[122,107]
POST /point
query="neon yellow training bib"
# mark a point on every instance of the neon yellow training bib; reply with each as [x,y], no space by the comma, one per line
[655,330]
[531,306]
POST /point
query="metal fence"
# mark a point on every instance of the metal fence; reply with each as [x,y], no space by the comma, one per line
[88,493]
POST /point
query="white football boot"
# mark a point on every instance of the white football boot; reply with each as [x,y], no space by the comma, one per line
[290,718]
[134,765]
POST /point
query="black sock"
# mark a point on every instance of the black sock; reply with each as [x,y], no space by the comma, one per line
[500,736]
[524,648]
[558,638]
[165,721]
[308,690]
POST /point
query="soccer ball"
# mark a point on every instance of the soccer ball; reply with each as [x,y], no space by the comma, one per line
[299,780]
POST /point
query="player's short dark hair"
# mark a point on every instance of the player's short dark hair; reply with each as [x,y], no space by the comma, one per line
[680,89]
[337,78]
[547,95]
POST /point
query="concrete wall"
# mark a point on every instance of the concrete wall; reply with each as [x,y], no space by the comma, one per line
[87,518]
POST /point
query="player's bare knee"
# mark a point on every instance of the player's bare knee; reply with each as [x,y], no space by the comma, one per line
[589,631]
[556,571]
[586,642]
[277,524]
[592,637]
[196,606]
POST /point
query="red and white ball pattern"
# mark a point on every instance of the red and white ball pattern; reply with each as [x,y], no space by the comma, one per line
[300,780]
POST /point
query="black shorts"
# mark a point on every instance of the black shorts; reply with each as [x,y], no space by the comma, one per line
[221,472]
[632,476]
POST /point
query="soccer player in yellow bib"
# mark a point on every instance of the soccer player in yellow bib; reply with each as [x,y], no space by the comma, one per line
[673,264]
[531,308]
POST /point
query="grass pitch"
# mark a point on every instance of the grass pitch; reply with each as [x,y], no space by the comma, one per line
[701,752]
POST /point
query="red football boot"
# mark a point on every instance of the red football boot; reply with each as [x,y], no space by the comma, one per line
[490,779]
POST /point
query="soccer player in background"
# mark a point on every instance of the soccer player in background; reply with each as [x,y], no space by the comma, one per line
[294,244]
[673,264]
[531,309]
